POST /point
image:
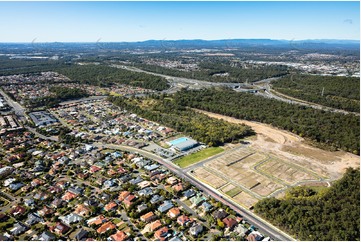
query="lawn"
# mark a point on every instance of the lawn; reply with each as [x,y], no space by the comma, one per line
[117,220]
[199,156]
[233,192]
[115,94]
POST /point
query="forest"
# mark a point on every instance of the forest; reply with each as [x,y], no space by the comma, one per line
[339,92]
[330,215]
[20,66]
[209,70]
[331,130]
[167,112]
[101,75]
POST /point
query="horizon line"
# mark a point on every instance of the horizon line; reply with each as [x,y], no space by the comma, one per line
[137,41]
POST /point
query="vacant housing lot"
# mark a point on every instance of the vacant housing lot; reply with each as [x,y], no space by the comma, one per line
[247,175]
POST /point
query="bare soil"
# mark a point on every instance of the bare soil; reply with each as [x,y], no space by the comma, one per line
[293,148]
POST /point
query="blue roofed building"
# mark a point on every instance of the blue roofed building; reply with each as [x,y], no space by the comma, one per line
[183,144]
[165,206]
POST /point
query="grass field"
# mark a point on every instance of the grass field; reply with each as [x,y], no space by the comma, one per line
[234,191]
[199,156]
[115,94]
[117,220]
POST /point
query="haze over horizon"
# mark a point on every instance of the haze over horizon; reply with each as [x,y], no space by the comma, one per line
[34,41]
[141,21]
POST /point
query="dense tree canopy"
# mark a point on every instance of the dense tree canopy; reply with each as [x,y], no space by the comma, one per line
[208,130]
[331,215]
[104,75]
[339,92]
[19,66]
[208,71]
[334,130]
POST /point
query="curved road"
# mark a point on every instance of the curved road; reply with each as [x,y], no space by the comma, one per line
[271,93]
[179,82]
[263,226]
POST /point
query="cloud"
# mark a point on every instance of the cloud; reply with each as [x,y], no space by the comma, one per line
[348,21]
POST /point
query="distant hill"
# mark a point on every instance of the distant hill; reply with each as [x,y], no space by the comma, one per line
[199,43]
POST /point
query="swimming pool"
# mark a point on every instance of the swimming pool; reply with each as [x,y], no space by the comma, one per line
[178,141]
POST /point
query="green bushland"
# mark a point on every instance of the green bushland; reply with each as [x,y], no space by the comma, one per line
[167,112]
[339,92]
[331,215]
[327,129]
[101,75]
[208,70]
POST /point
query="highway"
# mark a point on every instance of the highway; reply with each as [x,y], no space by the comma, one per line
[179,82]
[271,93]
[263,226]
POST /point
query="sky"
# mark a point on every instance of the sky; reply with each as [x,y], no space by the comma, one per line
[138,21]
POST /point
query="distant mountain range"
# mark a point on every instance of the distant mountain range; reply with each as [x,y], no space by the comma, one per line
[199,43]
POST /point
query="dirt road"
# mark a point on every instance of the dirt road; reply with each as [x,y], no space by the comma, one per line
[292,147]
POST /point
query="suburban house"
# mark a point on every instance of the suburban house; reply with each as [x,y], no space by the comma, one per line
[81,234]
[178,187]
[189,193]
[183,220]
[18,229]
[17,210]
[71,218]
[145,192]
[206,206]
[198,199]
[118,236]
[97,220]
[196,229]
[229,222]
[148,217]
[151,227]
[82,210]
[165,206]
[60,228]
[110,206]
[254,236]
[105,227]
[141,207]
[220,214]
[33,219]
[123,195]
[156,198]
[161,234]
[129,200]
[173,212]
[172,180]
[46,236]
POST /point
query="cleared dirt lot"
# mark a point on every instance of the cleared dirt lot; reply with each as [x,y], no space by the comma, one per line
[274,161]
[286,172]
[208,177]
[291,147]
[238,167]
[245,199]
